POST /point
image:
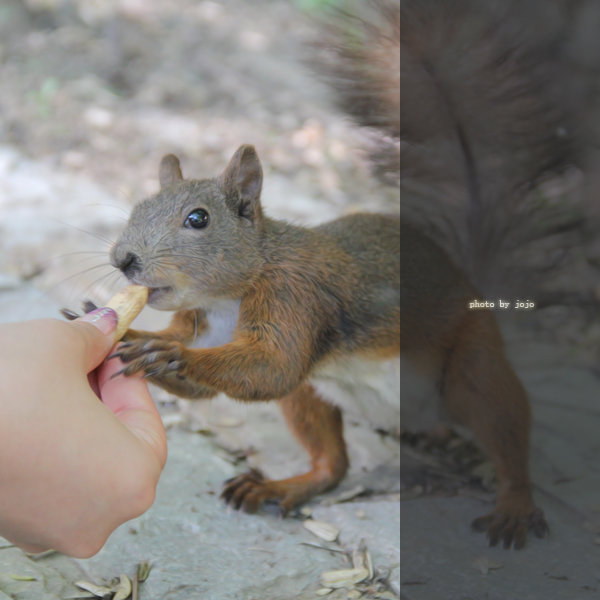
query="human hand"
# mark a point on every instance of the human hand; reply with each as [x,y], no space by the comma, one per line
[72,467]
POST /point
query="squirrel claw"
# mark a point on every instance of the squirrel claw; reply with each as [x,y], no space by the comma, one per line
[249,490]
[511,529]
[150,374]
[240,491]
[69,314]
[154,358]
[538,523]
[88,306]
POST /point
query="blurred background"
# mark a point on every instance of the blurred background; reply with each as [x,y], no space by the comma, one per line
[94,92]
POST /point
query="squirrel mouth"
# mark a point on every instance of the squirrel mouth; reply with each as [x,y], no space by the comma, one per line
[155,293]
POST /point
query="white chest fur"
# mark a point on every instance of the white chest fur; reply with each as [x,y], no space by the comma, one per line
[364,388]
[222,318]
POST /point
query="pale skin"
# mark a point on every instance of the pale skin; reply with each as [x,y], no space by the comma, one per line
[79,454]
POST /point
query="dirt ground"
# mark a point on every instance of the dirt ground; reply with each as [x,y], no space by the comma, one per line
[92,95]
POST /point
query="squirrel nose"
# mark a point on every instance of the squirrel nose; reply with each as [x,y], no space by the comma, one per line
[129,265]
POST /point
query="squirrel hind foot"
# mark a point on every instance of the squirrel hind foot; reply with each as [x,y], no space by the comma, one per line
[510,527]
[249,491]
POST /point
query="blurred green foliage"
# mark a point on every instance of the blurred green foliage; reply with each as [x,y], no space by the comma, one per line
[43,97]
[319,5]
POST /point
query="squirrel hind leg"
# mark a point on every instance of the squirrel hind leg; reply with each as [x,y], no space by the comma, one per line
[482,391]
[318,427]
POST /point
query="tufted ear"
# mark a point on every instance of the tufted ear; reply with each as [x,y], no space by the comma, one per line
[169,171]
[242,183]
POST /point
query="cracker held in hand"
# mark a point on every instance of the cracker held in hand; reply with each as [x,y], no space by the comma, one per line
[128,304]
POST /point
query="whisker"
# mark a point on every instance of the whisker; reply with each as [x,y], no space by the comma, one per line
[111,205]
[96,254]
[95,235]
[88,290]
[79,274]
[93,291]
[123,193]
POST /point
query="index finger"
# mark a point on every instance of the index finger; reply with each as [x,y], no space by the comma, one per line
[130,401]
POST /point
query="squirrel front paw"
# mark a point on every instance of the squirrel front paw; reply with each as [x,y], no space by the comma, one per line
[156,358]
[511,526]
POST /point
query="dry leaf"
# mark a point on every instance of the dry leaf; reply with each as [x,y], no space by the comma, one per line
[97,590]
[361,559]
[123,588]
[323,530]
[484,565]
[38,555]
[358,559]
[321,547]
[143,570]
[369,564]
[324,591]
[486,472]
[343,577]
[229,422]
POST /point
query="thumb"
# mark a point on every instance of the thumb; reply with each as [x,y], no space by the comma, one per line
[97,330]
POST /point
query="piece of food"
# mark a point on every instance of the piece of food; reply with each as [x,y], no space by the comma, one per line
[128,304]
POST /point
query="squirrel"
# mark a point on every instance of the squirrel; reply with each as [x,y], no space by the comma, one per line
[318,311]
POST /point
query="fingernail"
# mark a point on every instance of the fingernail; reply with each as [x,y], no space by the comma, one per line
[105,319]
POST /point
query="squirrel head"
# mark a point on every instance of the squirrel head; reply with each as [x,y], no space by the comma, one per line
[196,240]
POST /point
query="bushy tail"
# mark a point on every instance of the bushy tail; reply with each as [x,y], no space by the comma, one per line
[360,58]
[484,117]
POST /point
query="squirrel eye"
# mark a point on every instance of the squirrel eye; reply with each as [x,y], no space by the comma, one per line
[197,219]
